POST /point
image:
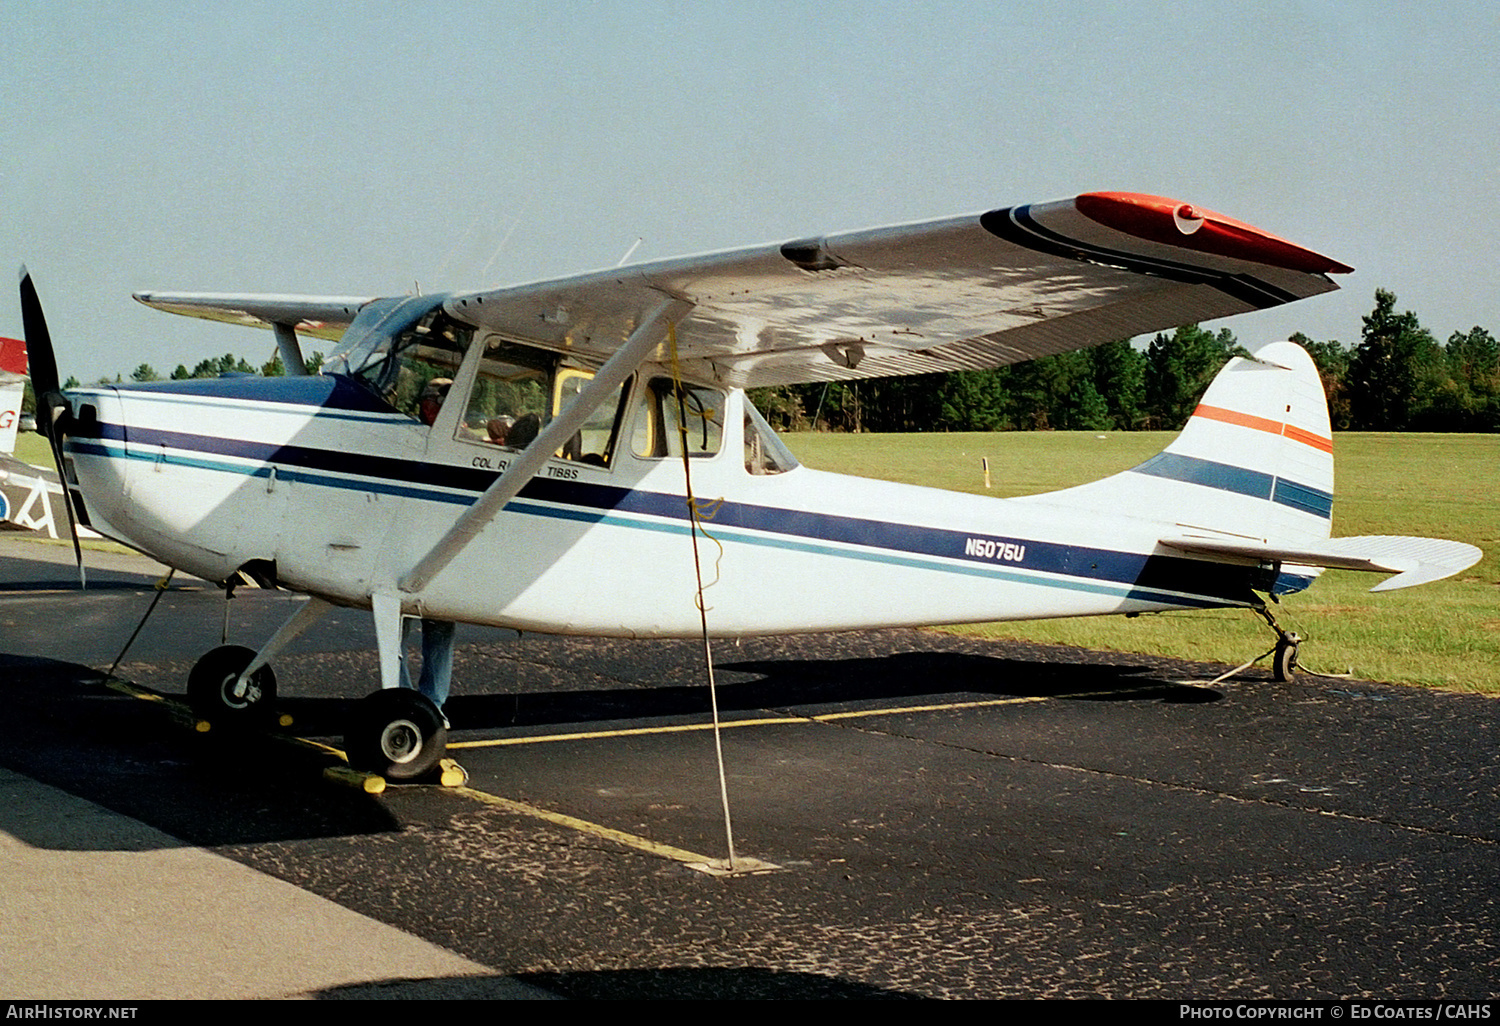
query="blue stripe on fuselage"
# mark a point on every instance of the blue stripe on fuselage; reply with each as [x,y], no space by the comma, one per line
[1152,578]
[326,392]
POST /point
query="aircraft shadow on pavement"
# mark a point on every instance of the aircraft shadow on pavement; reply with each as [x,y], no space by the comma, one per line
[744,983]
[70,731]
[904,677]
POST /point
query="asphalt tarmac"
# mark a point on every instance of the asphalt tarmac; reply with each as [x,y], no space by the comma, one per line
[946,817]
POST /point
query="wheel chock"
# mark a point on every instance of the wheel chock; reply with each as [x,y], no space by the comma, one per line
[369,783]
[451,774]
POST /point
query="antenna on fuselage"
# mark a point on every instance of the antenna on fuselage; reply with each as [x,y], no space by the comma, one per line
[629,252]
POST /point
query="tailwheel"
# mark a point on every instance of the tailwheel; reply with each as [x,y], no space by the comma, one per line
[1284,655]
[212,692]
[397,733]
[1284,659]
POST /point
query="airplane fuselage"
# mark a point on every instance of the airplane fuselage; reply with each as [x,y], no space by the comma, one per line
[342,495]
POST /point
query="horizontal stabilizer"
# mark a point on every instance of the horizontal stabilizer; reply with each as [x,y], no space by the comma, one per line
[319,316]
[1413,560]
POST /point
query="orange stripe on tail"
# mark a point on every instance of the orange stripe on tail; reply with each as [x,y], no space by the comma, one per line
[1274,427]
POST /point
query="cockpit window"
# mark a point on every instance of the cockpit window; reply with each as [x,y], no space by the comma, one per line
[518,390]
[513,387]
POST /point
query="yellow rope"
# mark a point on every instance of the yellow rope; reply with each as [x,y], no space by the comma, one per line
[696,514]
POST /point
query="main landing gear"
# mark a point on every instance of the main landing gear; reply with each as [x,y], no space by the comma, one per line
[395,733]
[1284,655]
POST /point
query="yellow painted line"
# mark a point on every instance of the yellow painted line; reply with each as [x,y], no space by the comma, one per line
[651,847]
[585,735]
[980,704]
[678,728]
[126,688]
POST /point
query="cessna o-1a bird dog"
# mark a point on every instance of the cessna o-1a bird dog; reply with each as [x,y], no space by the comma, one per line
[587,424]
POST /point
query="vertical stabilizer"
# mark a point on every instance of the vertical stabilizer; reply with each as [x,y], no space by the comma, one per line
[1255,460]
[10,415]
[12,388]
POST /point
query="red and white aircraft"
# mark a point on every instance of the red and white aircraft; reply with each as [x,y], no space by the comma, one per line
[543,456]
[12,387]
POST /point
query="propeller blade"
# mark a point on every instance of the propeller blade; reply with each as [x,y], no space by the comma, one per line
[42,364]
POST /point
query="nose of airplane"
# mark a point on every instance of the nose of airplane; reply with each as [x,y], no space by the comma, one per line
[52,407]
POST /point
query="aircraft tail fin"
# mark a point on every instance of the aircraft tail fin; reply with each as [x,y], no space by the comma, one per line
[12,388]
[1250,481]
[10,415]
[1254,463]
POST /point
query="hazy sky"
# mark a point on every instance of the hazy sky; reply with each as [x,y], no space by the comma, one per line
[369,148]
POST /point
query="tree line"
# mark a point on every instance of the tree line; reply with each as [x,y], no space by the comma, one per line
[213,367]
[1399,378]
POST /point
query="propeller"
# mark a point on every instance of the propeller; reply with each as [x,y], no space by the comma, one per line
[56,413]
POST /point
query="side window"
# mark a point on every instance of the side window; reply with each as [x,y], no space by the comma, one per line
[511,398]
[764,452]
[592,443]
[518,390]
[671,414]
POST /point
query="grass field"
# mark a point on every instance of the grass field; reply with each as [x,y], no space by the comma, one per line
[1445,634]
[32,448]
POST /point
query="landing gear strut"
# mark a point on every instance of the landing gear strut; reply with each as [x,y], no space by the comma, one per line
[1284,656]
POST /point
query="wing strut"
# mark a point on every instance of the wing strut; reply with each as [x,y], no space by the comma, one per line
[646,336]
[292,363]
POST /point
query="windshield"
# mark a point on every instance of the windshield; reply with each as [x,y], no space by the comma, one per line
[402,349]
[369,336]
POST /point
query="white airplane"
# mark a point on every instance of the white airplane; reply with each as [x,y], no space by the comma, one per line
[569,456]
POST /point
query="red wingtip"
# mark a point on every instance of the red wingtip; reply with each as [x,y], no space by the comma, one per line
[1174,223]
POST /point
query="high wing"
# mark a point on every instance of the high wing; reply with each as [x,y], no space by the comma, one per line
[964,293]
[319,316]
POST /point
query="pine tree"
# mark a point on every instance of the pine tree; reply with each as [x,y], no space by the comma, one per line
[1179,368]
[1391,377]
[1120,378]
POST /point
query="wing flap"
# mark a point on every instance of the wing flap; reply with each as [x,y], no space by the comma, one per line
[1414,561]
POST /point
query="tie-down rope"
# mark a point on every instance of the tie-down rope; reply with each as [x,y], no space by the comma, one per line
[697,513]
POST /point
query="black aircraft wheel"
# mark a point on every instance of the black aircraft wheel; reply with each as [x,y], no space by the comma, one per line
[1284,660]
[397,733]
[211,686]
